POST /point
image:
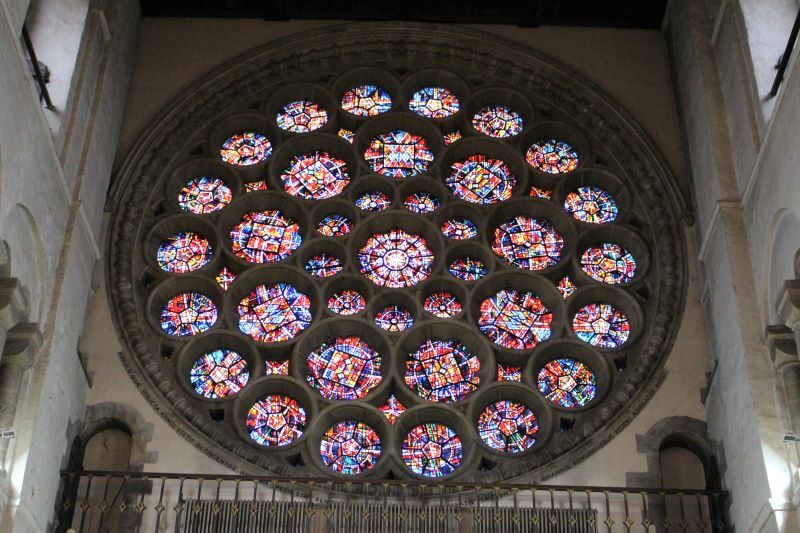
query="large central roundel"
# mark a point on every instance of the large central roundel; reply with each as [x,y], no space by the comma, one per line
[395,270]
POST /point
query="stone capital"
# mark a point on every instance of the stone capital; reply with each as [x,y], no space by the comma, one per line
[788,306]
[782,345]
[22,343]
[12,302]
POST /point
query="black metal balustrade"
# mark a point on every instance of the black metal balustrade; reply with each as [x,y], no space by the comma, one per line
[95,501]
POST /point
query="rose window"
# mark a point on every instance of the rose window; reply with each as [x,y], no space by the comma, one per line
[397,274]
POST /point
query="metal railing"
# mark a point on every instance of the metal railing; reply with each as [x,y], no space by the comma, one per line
[99,501]
[38,76]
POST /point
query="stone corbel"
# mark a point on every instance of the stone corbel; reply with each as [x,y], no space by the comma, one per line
[12,305]
[22,343]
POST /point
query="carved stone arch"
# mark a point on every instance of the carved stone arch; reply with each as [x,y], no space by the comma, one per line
[112,415]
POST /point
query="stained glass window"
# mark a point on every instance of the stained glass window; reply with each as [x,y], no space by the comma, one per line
[545,194]
[347,135]
[434,102]
[335,226]
[265,236]
[274,313]
[395,259]
[442,304]
[188,313]
[246,149]
[450,138]
[366,101]
[183,252]
[255,186]
[528,243]
[398,154]
[566,287]
[302,116]
[324,265]
[509,373]
[394,318]
[350,447]
[459,228]
[432,450]
[219,374]
[347,302]
[204,195]
[442,371]
[467,268]
[225,278]
[344,368]
[498,121]
[567,382]
[514,319]
[481,180]
[552,156]
[315,176]
[422,202]
[277,368]
[276,420]
[601,325]
[508,426]
[609,263]
[373,201]
[591,204]
[392,409]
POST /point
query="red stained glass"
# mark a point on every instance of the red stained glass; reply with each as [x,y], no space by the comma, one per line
[347,302]
[552,156]
[183,252]
[395,259]
[344,368]
[442,304]
[392,409]
[481,180]
[188,313]
[366,101]
[398,154]
[246,149]
[528,243]
[609,263]
[265,236]
[514,319]
[601,325]
[315,176]
[218,374]
[442,371]
[302,116]
[498,121]
[204,195]
[274,313]
[508,426]
[276,420]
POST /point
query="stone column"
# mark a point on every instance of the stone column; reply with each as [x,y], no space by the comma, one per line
[783,354]
[22,343]
[12,304]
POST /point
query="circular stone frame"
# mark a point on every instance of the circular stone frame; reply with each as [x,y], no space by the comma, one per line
[391,54]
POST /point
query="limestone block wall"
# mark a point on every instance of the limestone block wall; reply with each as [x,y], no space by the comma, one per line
[742,160]
[50,223]
[631,65]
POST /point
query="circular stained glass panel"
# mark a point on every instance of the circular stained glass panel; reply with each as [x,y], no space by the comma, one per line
[497,121]
[324,265]
[394,318]
[434,102]
[204,195]
[276,420]
[591,204]
[395,259]
[508,426]
[366,101]
[467,268]
[188,313]
[315,176]
[274,313]
[219,374]
[517,320]
[398,154]
[183,252]
[344,368]
[609,263]
[246,149]
[528,243]
[567,383]
[347,302]
[373,201]
[422,202]
[552,156]
[442,371]
[265,236]
[442,304]
[350,447]
[432,450]
[335,226]
[601,325]
[301,116]
[459,229]
[481,180]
